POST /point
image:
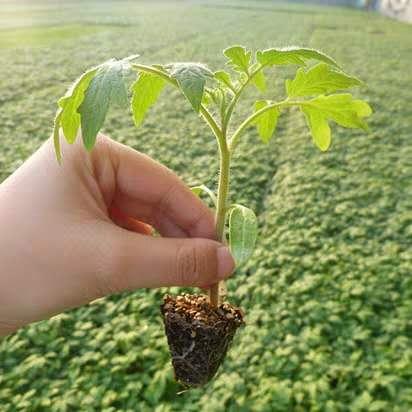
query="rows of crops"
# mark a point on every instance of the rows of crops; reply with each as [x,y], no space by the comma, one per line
[328,293]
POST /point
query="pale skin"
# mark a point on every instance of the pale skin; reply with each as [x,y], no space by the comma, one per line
[75,232]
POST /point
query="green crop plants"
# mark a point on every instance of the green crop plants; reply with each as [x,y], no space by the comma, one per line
[315,90]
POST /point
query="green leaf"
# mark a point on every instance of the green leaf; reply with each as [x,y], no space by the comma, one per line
[267,121]
[291,55]
[207,99]
[378,405]
[70,103]
[362,402]
[319,79]
[259,81]
[343,109]
[106,87]
[198,190]
[242,233]
[191,78]
[157,386]
[239,58]
[224,78]
[216,96]
[319,128]
[146,90]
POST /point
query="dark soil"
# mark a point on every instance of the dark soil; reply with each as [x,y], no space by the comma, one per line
[198,336]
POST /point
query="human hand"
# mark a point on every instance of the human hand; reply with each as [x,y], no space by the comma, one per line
[79,231]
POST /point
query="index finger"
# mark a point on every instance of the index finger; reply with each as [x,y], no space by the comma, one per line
[149,191]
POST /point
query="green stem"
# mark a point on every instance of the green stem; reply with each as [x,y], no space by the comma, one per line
[221,208]
[236,97]
[223,187]
[235,137]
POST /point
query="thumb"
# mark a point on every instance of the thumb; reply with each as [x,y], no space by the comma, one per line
[142,261]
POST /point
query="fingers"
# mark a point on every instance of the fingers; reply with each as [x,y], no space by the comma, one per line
[129,223]
[148,191]
[142,261]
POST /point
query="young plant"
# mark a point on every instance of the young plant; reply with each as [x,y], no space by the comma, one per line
[198,353]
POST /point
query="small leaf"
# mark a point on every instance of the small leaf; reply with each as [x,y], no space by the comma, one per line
[239,58]
[70,118]
[292,55]
[106,87]
[191,78]
[266,122]
[319,79]
[260,81]
[146,90]
[242,233]
[207,97]
[216,96]
[319,128]
[224,78]
[197,190]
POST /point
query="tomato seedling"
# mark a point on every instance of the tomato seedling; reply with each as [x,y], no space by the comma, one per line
[197,343]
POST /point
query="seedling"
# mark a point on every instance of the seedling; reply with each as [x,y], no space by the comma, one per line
[199,330]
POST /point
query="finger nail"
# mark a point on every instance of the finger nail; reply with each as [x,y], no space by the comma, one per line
[225,262]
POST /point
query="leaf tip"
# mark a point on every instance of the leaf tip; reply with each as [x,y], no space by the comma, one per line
[324,148]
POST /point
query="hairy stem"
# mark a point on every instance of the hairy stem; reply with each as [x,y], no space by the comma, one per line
[236,97]
[221,208]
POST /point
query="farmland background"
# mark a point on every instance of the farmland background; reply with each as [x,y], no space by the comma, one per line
[328,293]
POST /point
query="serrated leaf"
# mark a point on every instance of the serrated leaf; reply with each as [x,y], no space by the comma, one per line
[239,58]
[215,96]
[224,78]
[292,55]
[259,81]
[146,90]
[191,78]
[106,87]
[267,121]
[242,233]
[319,79]
[70,103]
[319,128]
[343,109]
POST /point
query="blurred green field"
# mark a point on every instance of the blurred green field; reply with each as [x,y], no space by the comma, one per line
[328,293]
